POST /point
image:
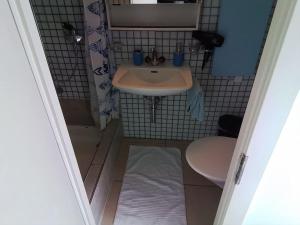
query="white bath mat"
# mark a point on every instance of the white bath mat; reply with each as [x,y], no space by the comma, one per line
[152,192]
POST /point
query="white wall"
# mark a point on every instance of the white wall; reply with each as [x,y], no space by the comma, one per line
[35,187]
[277,199]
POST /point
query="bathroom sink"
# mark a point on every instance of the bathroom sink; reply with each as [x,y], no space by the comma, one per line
[153,80]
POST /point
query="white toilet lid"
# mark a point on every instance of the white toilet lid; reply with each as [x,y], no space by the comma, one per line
[211,156]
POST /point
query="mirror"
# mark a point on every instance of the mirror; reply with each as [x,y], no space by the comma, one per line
[153,14]
[131,2]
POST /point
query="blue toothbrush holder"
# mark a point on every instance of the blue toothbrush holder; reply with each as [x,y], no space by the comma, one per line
[138,57]
[178,58]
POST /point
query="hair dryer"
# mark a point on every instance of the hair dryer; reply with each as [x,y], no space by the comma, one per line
[209,41]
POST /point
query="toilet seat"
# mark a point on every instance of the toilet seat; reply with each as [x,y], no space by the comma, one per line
[211,157]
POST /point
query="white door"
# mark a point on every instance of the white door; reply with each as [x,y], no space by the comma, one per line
[270,105]
[39,177]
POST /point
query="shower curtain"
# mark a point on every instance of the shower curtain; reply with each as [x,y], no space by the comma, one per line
[100,65]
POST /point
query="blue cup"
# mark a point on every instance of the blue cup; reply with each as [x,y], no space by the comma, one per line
[138,57]
[178,58]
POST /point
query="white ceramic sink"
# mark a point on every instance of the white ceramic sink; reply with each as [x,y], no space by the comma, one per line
[153,80]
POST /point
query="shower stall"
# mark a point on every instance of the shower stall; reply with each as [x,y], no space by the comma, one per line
[64,35]
[61,28]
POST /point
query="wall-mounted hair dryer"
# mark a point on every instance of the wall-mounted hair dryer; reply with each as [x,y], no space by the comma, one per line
[209,41]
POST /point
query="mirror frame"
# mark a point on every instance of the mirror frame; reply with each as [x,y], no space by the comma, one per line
[159,12]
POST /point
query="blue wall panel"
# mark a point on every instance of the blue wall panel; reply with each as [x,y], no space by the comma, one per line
[243,24]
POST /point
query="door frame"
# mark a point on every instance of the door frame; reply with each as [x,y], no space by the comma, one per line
[274,90]
[269,66]
[32,44]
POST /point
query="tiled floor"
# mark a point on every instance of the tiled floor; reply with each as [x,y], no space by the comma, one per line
[202,196]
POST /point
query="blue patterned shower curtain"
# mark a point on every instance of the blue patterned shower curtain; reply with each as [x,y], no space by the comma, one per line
[100,68]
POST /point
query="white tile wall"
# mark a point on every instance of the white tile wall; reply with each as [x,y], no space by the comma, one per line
[222,95]
[60,53]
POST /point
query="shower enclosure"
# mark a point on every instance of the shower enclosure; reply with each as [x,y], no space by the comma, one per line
[86,106]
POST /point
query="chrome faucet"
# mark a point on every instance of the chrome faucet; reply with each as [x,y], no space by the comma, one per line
[154,60]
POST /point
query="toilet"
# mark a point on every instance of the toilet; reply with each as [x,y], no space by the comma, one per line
[211,157]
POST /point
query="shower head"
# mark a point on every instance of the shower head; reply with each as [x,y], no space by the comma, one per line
[71,33]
